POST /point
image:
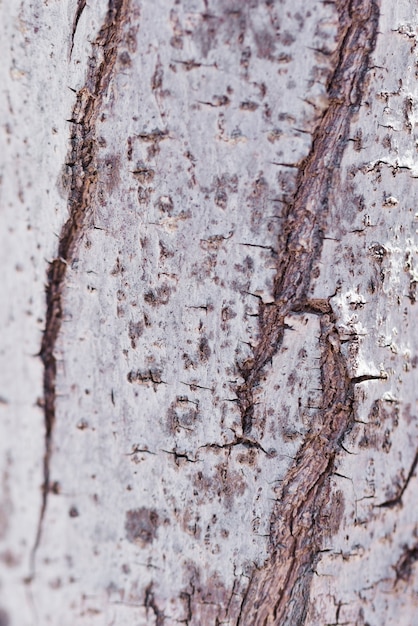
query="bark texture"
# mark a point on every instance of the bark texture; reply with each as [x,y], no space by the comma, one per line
[212,417]
[83,176]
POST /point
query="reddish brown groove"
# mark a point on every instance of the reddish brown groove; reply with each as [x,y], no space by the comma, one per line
[279,592]
[82,185]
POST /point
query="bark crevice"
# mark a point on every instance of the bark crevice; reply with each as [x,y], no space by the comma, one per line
[398,499]
[82,165]
[278,593]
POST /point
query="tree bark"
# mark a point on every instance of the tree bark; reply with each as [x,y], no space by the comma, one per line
[208,381]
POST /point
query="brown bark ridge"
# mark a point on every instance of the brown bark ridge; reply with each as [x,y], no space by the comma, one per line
[82,185]
[278,592]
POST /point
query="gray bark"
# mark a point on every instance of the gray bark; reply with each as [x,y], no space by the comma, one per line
[208,379]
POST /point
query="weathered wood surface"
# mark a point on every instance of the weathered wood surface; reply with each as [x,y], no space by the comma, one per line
[209,349]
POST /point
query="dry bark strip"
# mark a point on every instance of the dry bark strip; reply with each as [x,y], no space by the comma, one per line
[82,185]
[278,593]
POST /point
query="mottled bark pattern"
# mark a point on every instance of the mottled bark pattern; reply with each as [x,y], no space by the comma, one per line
[212,417]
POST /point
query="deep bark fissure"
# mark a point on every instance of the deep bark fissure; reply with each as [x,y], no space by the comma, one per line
[296,520]
[301,238]
[81,162]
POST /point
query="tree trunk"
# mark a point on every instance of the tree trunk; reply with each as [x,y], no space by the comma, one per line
[208,381]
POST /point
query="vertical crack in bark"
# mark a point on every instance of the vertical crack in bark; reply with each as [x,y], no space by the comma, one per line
[83,179]
[279,592]
[81,5]
[398,499]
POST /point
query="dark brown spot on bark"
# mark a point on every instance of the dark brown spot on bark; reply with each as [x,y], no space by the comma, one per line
[143,194]
[406,562]
[149,376]
[73,512]
[221,484]
[204,350]
[159,296]
[165,204]
[141,526]
[125,59]
[143,173]
[135,331]
[265,43]
[227,313]
[182,414]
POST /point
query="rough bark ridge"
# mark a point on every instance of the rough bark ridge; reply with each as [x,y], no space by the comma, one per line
[278,593]
[82,184]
